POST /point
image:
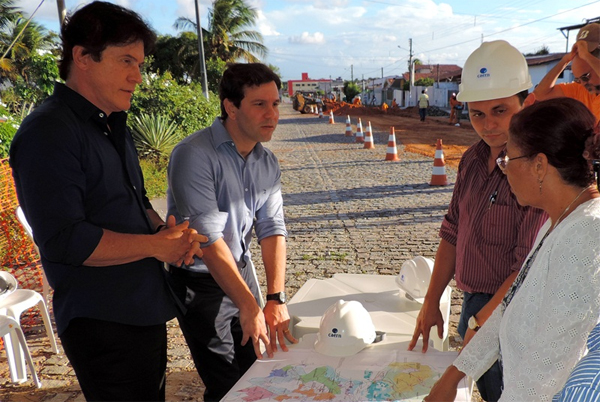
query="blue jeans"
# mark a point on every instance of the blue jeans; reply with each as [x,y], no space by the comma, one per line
[490,384]
[422,113]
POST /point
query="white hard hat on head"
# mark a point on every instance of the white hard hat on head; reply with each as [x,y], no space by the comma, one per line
[495,70]
[415,276]
[345,329]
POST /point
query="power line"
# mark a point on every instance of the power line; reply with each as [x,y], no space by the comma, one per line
[512,28]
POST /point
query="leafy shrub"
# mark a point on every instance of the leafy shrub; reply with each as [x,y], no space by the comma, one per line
[8,128]
[183,104]
[154,135]
[7,132]
[155,176]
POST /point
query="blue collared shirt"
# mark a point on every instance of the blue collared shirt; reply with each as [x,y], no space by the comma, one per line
[583,385]
[224,195]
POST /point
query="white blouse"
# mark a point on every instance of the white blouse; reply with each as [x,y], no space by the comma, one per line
[544,329]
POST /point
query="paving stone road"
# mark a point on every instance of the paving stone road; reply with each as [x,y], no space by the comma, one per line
[347,211]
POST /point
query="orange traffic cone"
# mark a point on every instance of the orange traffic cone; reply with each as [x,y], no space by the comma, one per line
[438,178]
[359,134]
[320,111]
[348,127]
[392,151]
[331,121]
[369,138]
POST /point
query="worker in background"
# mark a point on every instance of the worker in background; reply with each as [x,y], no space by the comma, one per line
[585,65]
[356,101]
[486,235]
[384,107]
[394,104]
[423,104]
[456,108]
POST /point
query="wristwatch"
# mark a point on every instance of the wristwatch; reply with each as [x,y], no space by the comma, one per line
[279,297]
[473,324]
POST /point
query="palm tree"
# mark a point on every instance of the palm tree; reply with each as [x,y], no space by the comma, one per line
[8,14]
[228,36]
[26,41]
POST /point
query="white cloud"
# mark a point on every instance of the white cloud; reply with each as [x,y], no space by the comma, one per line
[306,38]
[331,4]
[264,26]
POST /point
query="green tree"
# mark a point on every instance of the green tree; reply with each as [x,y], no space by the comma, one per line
[351,89]
[214,72]
[540,52]
[20,40]
[172,54]
[8,13]
[28,63]
[36,82]
[228,36]
[424,82]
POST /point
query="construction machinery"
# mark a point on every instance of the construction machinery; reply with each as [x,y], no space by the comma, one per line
[306,101]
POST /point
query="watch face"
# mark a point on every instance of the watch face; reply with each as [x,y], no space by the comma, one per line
[473,323]
[278,297]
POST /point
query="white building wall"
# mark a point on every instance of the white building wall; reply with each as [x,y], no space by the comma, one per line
[538,72]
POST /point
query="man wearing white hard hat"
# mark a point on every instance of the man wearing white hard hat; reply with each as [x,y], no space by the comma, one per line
[585,65]
[486,235]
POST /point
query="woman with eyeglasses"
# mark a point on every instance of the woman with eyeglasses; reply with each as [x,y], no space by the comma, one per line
[585,66]
[539,330]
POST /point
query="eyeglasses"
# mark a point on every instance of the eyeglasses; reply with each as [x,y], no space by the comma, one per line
[583,79]
[502,161]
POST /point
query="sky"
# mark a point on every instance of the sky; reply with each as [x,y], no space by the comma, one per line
[368,38]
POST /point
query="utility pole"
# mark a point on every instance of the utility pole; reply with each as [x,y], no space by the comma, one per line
[411,73]
[201,52]
[381,72]
[62,11]
[363,83]
[351,72]
[411,76]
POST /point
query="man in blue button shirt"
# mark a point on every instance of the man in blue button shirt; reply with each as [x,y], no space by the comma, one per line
[102,245]
[583,385]
[225,183]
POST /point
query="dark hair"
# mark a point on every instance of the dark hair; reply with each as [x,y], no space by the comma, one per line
[237,76]
[561,129]
[522,96]
[98,25]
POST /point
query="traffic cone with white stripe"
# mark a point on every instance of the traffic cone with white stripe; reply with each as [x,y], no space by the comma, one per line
[348,127]
[392,151]
[369,138]
[439,178]
[359,134]
[331,121]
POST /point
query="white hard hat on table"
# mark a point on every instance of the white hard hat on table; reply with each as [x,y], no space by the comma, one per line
[495,70]
[415,276]
[346,328]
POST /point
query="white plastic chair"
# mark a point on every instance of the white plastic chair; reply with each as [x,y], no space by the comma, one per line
[21,217]
[8,327]
[13,305]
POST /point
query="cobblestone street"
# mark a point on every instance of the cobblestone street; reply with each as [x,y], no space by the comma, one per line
[347,211]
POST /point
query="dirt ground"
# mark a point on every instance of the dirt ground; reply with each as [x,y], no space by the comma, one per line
[416,136]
